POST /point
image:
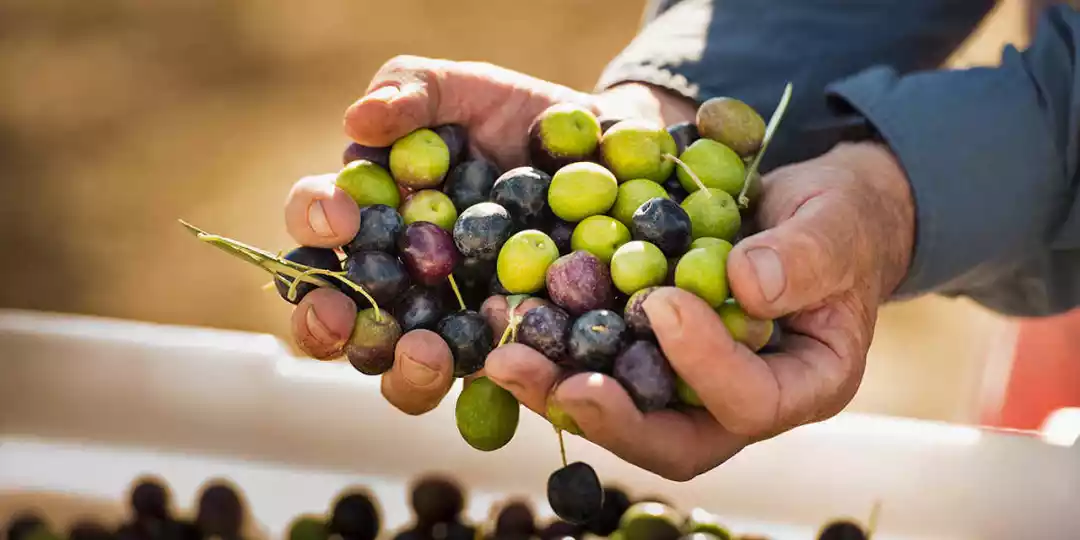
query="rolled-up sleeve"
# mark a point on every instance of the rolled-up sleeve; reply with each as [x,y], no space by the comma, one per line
[991,155]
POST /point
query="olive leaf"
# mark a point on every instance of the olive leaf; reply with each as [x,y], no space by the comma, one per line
[770,130]
[279,267]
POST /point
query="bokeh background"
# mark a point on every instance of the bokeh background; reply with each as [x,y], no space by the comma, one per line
[119,116]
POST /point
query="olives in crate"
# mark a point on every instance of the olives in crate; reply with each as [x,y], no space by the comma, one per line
[355,516]
[220,511]
[575,494]
[437,499]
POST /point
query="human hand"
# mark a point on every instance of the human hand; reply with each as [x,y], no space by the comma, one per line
[835,241]
[496,106]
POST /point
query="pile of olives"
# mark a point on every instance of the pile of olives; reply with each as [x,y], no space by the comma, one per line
[437,502]
[607,212]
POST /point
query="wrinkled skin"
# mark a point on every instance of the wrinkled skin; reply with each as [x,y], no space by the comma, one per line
[807,264]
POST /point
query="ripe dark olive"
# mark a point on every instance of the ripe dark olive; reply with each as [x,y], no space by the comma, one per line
[380,227]
[545,328]
[380,274]
[523,192]
[470,340]
[428,252]
[220,511]
[575,494]
[323,259]
[377,155]
[596,338]
[437,499]
[419,307]
[645,374]
[355,516]
[470,183]
[663,223]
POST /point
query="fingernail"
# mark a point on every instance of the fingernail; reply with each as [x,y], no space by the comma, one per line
[662,313]
[417,373]
[317,329]
[769,271]
[317,220]
[385,93]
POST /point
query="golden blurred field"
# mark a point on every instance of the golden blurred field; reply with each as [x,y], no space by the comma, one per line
[121,116]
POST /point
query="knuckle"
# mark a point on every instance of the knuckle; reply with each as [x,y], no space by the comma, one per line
[679,470]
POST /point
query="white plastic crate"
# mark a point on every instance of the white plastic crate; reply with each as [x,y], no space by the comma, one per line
[88,404]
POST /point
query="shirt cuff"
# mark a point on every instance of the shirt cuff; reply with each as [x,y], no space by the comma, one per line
[980,163]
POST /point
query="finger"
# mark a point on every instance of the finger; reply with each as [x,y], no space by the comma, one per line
[496,104]
[799,262]
[525,373]
[319,214]
[405,94]
[676,445]
[736,386]
[322,322]
[822,361]
[422,373]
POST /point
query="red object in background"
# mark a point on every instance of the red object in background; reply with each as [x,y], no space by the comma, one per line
[1045,373]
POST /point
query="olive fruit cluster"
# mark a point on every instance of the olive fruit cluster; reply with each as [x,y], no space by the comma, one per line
[605,213]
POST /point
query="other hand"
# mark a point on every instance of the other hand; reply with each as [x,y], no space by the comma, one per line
[835,240]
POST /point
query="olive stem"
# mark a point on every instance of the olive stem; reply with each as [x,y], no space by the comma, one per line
[278,266]
[871,525]
[686,169]
[341,277]
[562,446]
[505,335]
[770,130]
[457,292]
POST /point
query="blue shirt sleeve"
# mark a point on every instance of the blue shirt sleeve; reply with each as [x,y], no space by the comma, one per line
[991,153]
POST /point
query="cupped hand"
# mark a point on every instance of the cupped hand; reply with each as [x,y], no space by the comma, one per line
[834,242]
[496,106]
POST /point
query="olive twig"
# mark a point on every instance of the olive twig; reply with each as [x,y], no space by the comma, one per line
[341,277]
[770,130]
[690,172]
[562,446]
[512,303]
[871,524]
[278,266]
[457,292]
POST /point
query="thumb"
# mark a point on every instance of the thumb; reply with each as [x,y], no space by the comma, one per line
[798,263]
[404,95]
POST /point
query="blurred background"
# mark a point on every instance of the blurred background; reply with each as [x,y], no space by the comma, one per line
[120,116]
